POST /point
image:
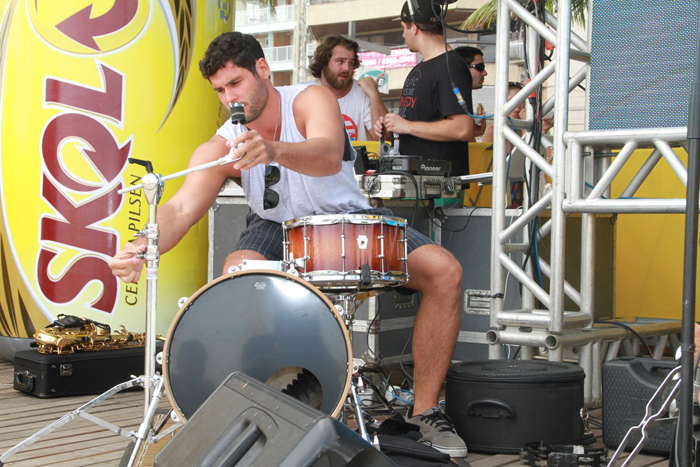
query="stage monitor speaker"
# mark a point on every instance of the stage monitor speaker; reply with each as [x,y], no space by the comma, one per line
[628,385]
[643,56]
[245,422]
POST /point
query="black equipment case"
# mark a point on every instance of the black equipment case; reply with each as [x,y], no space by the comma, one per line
[628,385]
[83,372]
[502,405]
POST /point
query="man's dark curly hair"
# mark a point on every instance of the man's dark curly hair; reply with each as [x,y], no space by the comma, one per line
[243,50]
[324,52]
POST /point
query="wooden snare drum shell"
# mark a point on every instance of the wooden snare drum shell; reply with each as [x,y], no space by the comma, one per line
[346,246]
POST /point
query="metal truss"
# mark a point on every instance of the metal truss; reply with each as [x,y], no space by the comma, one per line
[582,168]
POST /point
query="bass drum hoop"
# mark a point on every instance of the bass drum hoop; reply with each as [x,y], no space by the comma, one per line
[169,365]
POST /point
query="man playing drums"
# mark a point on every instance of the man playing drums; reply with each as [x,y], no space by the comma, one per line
[295,160]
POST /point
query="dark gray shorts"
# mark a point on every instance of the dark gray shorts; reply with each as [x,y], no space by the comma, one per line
[266,237]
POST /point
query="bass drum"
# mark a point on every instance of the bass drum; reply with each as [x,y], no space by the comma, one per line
[269,325]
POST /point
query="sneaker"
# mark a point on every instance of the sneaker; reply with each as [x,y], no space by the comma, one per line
[437,431]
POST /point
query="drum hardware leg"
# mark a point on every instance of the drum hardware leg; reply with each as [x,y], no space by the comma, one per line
[359,413]
[82,411]
[146,426]
[346,305]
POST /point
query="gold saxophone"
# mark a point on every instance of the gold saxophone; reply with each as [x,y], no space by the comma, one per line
[70,333]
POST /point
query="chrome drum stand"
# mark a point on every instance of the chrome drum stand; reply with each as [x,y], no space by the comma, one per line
[346,303]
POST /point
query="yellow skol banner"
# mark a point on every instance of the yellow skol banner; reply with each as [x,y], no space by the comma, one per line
[86,85]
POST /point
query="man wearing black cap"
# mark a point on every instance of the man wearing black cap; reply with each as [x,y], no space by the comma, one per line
[431,121]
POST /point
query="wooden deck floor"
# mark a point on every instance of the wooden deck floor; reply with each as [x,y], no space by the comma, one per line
[81,442]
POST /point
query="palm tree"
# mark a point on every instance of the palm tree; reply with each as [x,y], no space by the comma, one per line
[486,14]
[272,4]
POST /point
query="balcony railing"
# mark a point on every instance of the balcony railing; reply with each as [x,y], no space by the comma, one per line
[264,15]
[279,54]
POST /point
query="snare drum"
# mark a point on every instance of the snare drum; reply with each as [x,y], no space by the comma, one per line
[270,325]
[348,251]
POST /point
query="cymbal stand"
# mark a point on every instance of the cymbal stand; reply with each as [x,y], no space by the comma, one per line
[153,189]
[152,186]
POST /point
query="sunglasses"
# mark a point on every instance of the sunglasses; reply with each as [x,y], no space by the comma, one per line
[478,66]
[272,176]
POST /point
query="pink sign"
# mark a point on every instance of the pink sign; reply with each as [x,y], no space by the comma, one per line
[399,58]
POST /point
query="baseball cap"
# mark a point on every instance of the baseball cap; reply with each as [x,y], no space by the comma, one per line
[422,12]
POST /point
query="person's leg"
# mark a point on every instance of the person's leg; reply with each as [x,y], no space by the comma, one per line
[435,273]
[261,240]
[236,259]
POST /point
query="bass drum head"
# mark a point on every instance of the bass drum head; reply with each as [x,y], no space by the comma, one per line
[271,326]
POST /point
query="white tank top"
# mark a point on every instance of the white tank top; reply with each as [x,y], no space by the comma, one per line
[299,195]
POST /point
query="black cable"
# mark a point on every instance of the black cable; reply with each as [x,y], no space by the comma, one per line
[415,186]
[629,328]
[440,14]
[531,179]
[379,395]
[517,351]
[369,327]
[465,224]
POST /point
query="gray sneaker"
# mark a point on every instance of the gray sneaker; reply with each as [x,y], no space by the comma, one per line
[437,431]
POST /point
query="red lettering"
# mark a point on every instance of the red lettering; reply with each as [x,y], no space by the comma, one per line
[105,154]
[75,231]
[74,280]
[407,101]
[77,224]
[107,102]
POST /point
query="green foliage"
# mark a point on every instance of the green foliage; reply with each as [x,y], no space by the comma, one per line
[485,16]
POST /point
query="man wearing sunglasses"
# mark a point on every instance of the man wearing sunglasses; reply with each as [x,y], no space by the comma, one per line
[474,58]
[296,147]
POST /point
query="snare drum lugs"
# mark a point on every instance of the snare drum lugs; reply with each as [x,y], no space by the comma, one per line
[348,251]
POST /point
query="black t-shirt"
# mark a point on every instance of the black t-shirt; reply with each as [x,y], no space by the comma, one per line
[428,96]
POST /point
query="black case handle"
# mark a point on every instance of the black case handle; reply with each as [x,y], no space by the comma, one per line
[490,408]
[24,381]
